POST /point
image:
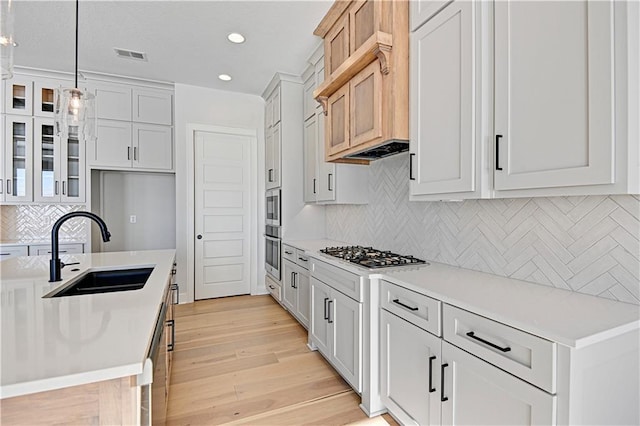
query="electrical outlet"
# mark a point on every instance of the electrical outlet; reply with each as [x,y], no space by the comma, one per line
[133,218]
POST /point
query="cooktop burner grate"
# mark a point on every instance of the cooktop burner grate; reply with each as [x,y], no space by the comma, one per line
[370,257]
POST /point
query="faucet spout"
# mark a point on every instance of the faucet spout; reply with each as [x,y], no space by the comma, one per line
[55,265]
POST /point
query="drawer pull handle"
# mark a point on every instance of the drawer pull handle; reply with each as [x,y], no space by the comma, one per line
[303,259]
[493,345]
[431,388]
[288,252]
[442,397]
[272,287]
[398,302]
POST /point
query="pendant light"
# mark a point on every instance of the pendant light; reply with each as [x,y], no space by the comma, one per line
[6,39]
[75,108]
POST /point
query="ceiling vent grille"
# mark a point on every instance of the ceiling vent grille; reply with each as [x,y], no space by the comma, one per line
[130,54]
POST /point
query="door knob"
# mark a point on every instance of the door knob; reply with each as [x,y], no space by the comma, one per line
[199,237]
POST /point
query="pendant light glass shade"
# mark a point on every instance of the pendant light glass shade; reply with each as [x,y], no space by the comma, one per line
[75,113]
[74,109]
[7,42]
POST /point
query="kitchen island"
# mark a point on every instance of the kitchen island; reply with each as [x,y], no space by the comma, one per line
[76,358]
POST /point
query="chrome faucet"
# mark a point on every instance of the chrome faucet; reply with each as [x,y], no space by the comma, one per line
[55,265]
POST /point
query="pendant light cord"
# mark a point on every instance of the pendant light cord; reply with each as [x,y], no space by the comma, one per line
[77,43]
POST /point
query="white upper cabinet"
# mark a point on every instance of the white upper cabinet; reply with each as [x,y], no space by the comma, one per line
[524,98]
[133,129]
[326,183]
[443,87]
[554,98]
[59,164]
[18,150]
[112,147]
[113,101]
[19,96]
[421,10]
[152,147]
[152,106]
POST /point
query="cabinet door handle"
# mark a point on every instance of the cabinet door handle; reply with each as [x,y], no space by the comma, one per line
[442,397]
[431,388]
[411,166]
[176,288]
[329,176]
[128,153]
[1,187]
[398,302]
[314,185]
[64,187]
[9,192]
[329,320]
[172,323]
[271,287]
[270,175]
[486,342]
[57,184]
[498,152]
[326,314]
[135,153]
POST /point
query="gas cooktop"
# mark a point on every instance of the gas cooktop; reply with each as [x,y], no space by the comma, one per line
[371,258]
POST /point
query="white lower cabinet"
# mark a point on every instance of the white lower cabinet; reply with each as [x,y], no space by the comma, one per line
[428,381]
[7,252]
[484,372]
[476,392]
[45,249]
[411,370]
[336,330]
[274,288]
[296,292]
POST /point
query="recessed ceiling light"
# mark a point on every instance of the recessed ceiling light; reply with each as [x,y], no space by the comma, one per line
[236,38]
[224,77]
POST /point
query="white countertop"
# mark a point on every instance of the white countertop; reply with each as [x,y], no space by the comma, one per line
[51,343]
[570,318]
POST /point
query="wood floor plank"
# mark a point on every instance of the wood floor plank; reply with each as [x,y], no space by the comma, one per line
[245,360]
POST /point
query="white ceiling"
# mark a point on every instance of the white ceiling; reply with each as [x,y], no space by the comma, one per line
[185,40]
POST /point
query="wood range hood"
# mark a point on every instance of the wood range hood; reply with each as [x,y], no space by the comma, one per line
[365,94]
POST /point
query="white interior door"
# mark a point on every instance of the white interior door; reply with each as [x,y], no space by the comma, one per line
[222,214]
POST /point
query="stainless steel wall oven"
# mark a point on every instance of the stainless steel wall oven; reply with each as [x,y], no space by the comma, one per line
[272,251]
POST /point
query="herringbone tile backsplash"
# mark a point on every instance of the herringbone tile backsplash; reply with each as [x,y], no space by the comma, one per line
[585,244]
[26,223]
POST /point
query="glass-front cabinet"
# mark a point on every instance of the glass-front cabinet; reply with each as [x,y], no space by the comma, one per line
[59,164]
[18,159]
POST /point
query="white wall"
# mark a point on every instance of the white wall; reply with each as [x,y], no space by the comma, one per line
[197,105]
[151,198]
[586,244]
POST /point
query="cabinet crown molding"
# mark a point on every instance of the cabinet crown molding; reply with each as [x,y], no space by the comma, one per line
[277,79]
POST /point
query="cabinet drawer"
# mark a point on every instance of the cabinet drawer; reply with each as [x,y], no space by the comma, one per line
[302,259]
[524,355]
[416,308]
[289,252]
[274,289]
[339,279]
[45,249]
[9,252]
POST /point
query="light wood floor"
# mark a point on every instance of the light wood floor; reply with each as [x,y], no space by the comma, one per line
[244,360]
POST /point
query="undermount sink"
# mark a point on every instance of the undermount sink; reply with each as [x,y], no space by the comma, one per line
[106,282]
